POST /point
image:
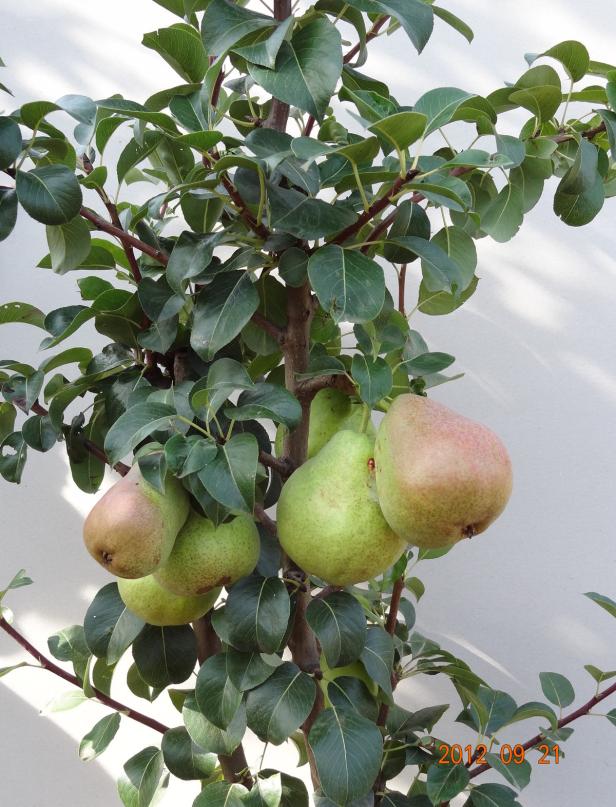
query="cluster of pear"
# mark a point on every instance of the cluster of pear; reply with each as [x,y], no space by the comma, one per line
[431,478]
[171,562]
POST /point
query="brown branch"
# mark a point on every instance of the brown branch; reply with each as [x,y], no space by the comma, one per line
[266,521]
[256,226]
[401,289]
[588,134]
[126,238]
[375,208]
[279,114]
[282,465]
[273,330]
[581,712]
[49,665]
[307,389]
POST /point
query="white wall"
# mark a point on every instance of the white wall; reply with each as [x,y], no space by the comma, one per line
[536,343]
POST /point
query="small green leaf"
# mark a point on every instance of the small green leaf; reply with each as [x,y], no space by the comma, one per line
[276,708]
[22,312]
[8,212]
[134,426]
[230,477]
[267,401]
[557,689]
[10,142]
[378,657]
[12,464]
[39,433]
[535,709]
[339,624]
[492,795]
[69,244]
[224,376]
[217,696]
[427,363]
[504,215]
[444,782]
[374,377]
[165,655]
[182,48]
[440,105]
[206,735]
[50,194]
[258,610]
[221,794]
[99,737]
[605,602]
[184,758]
[142,782]
[516,775]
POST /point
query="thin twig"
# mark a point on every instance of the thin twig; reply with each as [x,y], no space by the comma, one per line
[49,665]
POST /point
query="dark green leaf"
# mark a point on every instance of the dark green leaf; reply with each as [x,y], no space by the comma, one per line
[516,775]
[557,689]
[534,709]
[180,46]
[410,220]
[224,376]
[230,477]
[427,363]
[12,463]
[295,213]
[109,626]
[8,212]
[499,709]
[446,781]
[504,215]
[10,142]
[247,670]
[39,433]
[165,655]
[69,644]
[134,426]
[206,735]
[143,778]
[184,758]
[217,696]
[191,255]
[222,310]
[307,68]
[346,691]
[221,794]
[69,244]
[492,796]
[22,312]
[267,401]
[50,194]
[374,377]
[99,737]
[440,272]
[225,23]
[340,626]
[347,749]
[413,15]
[348,284]
[258,610]
[276,708]
[378,657]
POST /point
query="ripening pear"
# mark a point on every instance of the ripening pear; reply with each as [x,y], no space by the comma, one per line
[131,530]
[206,556]
[440,477]
[331,411]
[329,520]
[146,598]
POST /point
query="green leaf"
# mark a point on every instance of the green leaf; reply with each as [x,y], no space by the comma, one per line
[401,129]
[504,215]
[297,214]
[258,610]
[347,691]
[374,377]
[378,657]
[440,105]
[534,709]
[224,376]
[19,580]
[427,363]
[63,322]
[206,735]
[165,655]
[499,709]
[445,781]
[69,244]
[135,152]
[455,22]
[217,696]
[230,477]
[557,689]
[135,425]
[8,212]
[10,142]
[181,47]
[440,272]
[276,708]
[267,401]
[184,758]
[571,54]
[143,778]
[611,716]
[348,284]
[605,602]
[12,464]
[307,68]
[7,419]
[191,255]
[39,433]
[541,101]
[492,795]
[599,675]
[264,50]
[347,749]
[247,670]
[50,194]
[69,644]
[158,300]
[6,670]
[226,23]
[582,175]
[221,794]
[65,702]
[410,220]
[516,775]
[222,310]
[578,209]
[413,15]
[22,312]
[110,628]
[339,624]
[99,737]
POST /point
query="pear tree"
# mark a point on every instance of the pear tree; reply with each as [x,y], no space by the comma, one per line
[254,313]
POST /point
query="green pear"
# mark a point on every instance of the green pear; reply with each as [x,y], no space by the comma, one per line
[440,477]
[329,520]
[146,598]
[131,530]
[331,411]
[206,556]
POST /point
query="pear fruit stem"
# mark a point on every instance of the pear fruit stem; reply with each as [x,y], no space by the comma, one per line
[365,420]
